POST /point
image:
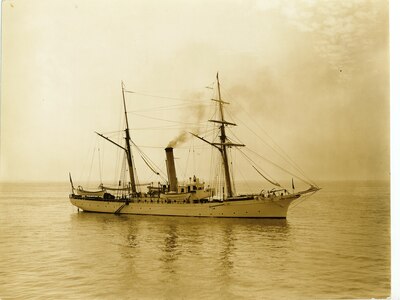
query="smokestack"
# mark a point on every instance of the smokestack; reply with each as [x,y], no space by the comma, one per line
[173,181]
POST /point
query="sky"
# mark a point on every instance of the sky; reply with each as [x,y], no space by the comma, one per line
[312,75]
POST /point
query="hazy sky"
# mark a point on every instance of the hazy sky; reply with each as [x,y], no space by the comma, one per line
[313,74]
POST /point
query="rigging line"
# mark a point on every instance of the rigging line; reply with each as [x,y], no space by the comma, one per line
[112,132]
[187,164]
[210,169]
[91,166]
[213,107]
[119,157]
[155,166]
[245,181]
[101,178]
[210,135]
[218,181]
[237,141]
[279,167]
[191,149]
[150,167]
[232,170]
[262,175]
[116,163]
[159,119]
[137,181]
[291,163]
[102,158]
[206,129]
[158,128]
[147,160]
[302,200]
[171,127]
[172,107]
[287,158]
[122,172]
[163,147]
[253,163]
[211,85]
[194,158]
[158,96]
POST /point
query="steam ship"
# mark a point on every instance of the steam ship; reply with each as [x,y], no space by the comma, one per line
[193,198]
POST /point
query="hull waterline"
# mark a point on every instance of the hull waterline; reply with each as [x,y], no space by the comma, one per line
[254,208]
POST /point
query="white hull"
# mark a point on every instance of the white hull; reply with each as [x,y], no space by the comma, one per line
[260,207]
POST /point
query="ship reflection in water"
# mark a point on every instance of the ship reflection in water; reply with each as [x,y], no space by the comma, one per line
[336,245]
[179,257]
[205,240]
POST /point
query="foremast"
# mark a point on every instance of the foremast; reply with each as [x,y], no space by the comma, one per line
[127,147]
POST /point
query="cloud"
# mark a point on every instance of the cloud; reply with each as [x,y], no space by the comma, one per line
[341,30]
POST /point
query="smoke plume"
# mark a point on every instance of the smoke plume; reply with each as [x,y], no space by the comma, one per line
[179,139]
[194,114]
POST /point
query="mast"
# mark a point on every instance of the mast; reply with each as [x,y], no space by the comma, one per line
[224,141]
[128,146]
[223,144]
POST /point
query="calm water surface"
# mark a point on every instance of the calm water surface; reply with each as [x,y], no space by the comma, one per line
[335,244]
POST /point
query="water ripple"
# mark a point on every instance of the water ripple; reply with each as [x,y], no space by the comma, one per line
[336,245]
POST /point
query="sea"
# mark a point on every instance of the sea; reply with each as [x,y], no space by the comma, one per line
[333,245]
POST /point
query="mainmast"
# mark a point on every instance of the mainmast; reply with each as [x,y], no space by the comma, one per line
[223,144]
[224,141]
[128,146]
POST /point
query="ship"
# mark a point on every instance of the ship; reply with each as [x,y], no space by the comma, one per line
[193,197]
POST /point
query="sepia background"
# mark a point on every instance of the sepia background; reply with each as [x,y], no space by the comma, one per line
[315,74]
